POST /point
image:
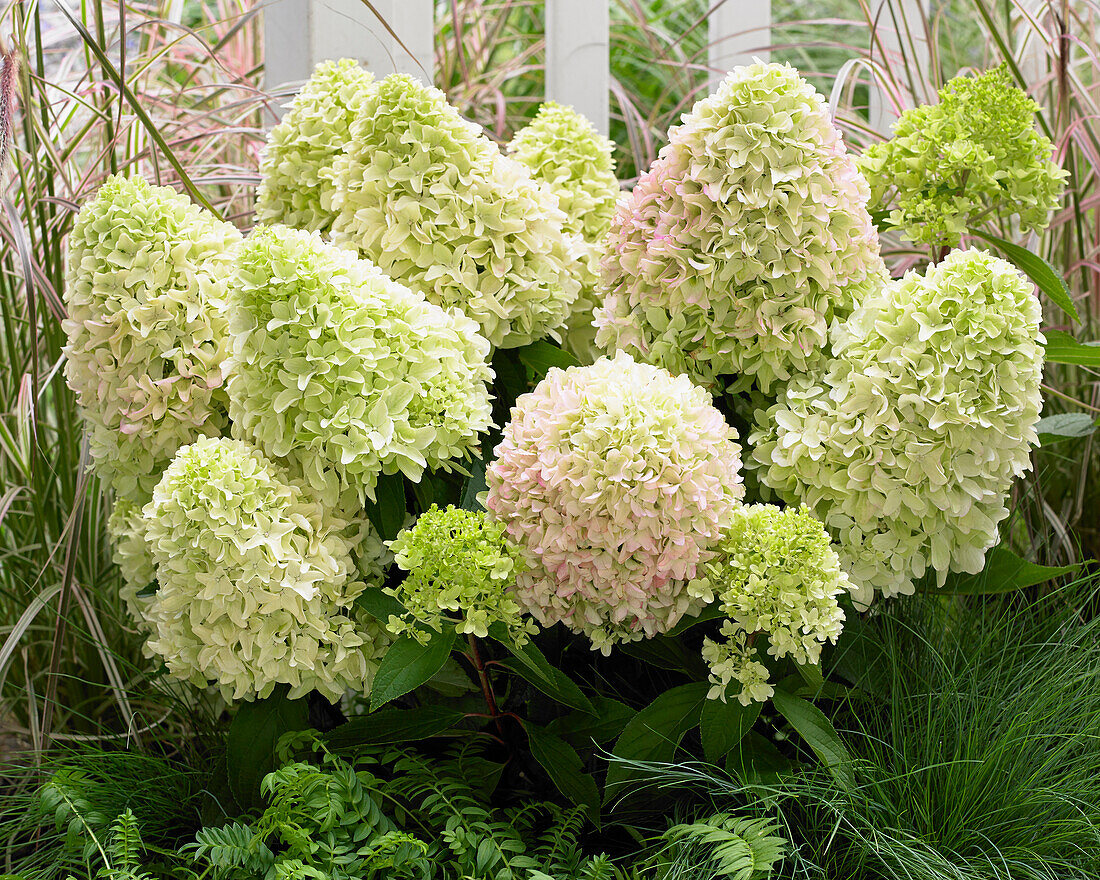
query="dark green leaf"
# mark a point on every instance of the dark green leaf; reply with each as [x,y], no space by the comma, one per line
[654,734]
[511,376]
[1048,279]
[390,725]
[583,728]
[387,513]
[379,604]
[667,653]
[530,664]
[408,664]
[565,768]
[711,612]
[1004,572]
[1062,348]
[250,749]
[724,725]
[474,486]
[756,759]
[819,734]
[1058,427]
[540,357]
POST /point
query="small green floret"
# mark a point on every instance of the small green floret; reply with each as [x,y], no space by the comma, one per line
[462,572]
[973,156]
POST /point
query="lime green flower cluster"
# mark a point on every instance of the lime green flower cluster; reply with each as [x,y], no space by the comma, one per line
[775,573]
[256,579]
[296,165]
[148,274]
[436,205]
[462,573]
[344,373]
[974,155]
[566,153]
[907,446]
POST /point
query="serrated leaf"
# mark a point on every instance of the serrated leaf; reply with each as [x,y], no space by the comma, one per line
[531,664]
[253,733]
[818,733]
[1048,279]
[1064,425]
[392,725]
[581,729]
[379,604]
[565,768]
[387,512]
[407,664]
[1004,572]
[723,725]
[1061,348]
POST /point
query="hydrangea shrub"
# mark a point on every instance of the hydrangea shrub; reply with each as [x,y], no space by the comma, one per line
[345,373]
[564,151]
[775,573]
[975,154]
[146,287]
[746,238]
[126,528]
[296,164]
[256,580]
[615,480]
[434,203]
[907,446]
[461,566]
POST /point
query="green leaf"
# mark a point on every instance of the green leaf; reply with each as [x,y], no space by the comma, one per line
[667,653]
[1004,572]
[387,513]
[1048,279]
[379,604]
[474,486]
[583,728]
[723,725]
[756,759]
[1058,427]
[531,665]
[408,664]
[253,733]
[711,612]
[1062,348]
[540,357]
[511,376]
[392,725]
[654,734]
[565,768]
[819,734]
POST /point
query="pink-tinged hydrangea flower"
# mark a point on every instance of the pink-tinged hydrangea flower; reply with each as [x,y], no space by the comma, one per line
[345,373]
[746,238]
[566,153]
[145,292]
[257,580]
[296,165]
[425,195]
[615,480]
[907,446]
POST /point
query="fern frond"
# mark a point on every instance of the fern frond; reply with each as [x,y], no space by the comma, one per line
[723,845]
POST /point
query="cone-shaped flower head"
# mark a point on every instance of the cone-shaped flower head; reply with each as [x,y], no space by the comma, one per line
[565,152]
[744,240]
[973,155]
[256,580]
[462,574]
[345,373]
[615,480]
[775,573]
[296,165]
[145,293]
[908,445]
[425,195]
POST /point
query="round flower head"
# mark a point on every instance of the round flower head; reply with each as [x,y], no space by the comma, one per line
[296,165]
[425,195]
[908,445]
[775,573]
[145,294]
[256,580]
[744,240]
[344,372]
[974,154]
[126,528]
[460,566]
[565,152]
[614,479]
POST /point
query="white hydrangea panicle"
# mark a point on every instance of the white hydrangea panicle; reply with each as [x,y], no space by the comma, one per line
[614,479]
[256,580]
[126,528]
[296,164]
[145,291]
[434,203]
[907,446]
[345,373]
[744,241]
